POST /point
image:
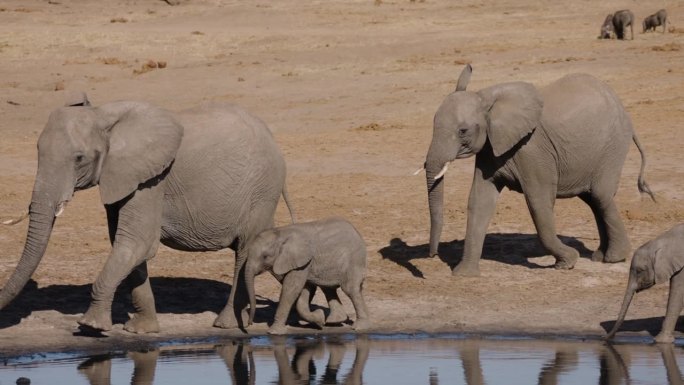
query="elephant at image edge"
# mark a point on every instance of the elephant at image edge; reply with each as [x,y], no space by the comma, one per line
[569,139]
[657,261]
[328,253]
[207,181]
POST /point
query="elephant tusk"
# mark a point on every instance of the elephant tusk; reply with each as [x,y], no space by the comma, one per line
[444,170]
[418,171]
[10,222]
[60,208]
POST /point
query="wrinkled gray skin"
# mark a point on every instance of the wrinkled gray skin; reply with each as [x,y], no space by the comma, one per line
[606,27]
[329,253]
[209,180]
[621,20]
[655,262]
[568,139]
[656,20]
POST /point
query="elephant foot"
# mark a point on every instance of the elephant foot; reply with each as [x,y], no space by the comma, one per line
[142,324]
[96,320]
[361,325]
[337,315]
[664,338]
[615,257]
[597,256]
[227,319]
[318,317]
[463,270]
[277,330]
[566,262]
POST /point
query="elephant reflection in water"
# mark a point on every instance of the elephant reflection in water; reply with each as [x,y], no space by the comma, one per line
[303,371]
[98,369]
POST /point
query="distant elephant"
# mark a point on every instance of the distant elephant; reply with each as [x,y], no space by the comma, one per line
[655,20]
[328,253]
[657,261]
[209,180]
[621,20]
[606,27]
[568,139]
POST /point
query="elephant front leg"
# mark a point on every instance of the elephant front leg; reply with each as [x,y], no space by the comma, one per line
[675,301]
[316,317]
[293,284]
[481,205]
[540,201]
[144,320]
[134,229]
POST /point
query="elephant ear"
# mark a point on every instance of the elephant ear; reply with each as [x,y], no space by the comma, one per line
[294,252]
[464,78]
[143,141]
[513,112]
[667,263]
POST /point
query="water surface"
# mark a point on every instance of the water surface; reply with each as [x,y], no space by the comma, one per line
[448,359]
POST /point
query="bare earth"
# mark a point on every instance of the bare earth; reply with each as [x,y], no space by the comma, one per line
[349,89]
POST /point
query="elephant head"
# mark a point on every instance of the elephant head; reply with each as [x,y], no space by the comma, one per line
[466,123]
[654,262]
[276,251]
[117,146]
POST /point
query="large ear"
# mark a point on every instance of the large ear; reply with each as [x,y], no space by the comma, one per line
[667,262]
[294,252]
[464,78]
[143,141]
[76,98]
[514,110]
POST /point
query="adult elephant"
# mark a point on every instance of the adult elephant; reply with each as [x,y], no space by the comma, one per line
[209,180]
[568,139]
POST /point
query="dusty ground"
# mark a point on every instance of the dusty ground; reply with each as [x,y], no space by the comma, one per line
[349,89]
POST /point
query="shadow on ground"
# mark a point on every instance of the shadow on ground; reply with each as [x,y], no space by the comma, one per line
[651,325]
[512,249]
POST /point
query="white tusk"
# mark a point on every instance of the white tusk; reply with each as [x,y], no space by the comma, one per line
[418,171]
[60,208]
[444,170]
[16,220]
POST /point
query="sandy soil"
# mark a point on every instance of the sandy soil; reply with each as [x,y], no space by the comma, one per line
[349,89]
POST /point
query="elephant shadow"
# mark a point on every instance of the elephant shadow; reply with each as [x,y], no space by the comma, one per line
[651,325]
[172,295]
[509,248]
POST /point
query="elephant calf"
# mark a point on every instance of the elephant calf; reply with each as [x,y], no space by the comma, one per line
[621,20]
[329,253]
[655,20]
[655,262]
[606,27]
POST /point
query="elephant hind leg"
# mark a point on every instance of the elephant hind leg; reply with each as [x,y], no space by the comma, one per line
[354,291]
[600,252]
[337,313]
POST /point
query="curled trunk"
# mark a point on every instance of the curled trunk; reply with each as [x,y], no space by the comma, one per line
[42,217]
[629,294]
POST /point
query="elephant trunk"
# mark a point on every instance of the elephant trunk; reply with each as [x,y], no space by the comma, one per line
[434,171]
[250,273]
[629,294]
[42,217]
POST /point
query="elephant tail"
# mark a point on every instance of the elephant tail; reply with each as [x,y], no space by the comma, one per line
[641,182]
[286,198]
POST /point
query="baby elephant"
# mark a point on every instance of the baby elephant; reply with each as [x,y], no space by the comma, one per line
[655,20]
[606,27]
[655,262]
[621,20]
[329,253]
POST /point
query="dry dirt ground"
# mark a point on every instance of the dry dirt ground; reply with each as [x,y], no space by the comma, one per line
[349,89]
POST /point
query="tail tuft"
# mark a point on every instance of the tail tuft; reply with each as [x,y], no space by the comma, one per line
[644,189]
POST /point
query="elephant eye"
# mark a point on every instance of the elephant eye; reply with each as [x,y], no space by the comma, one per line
[462,131]
[79,158]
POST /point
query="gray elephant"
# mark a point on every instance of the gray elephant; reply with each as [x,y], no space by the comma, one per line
[606,27]
[655,20]
[208,180]
[621,20]
[657,261]
[328,253]
[568,139]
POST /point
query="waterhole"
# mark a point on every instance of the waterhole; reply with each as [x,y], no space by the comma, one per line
[374,359]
